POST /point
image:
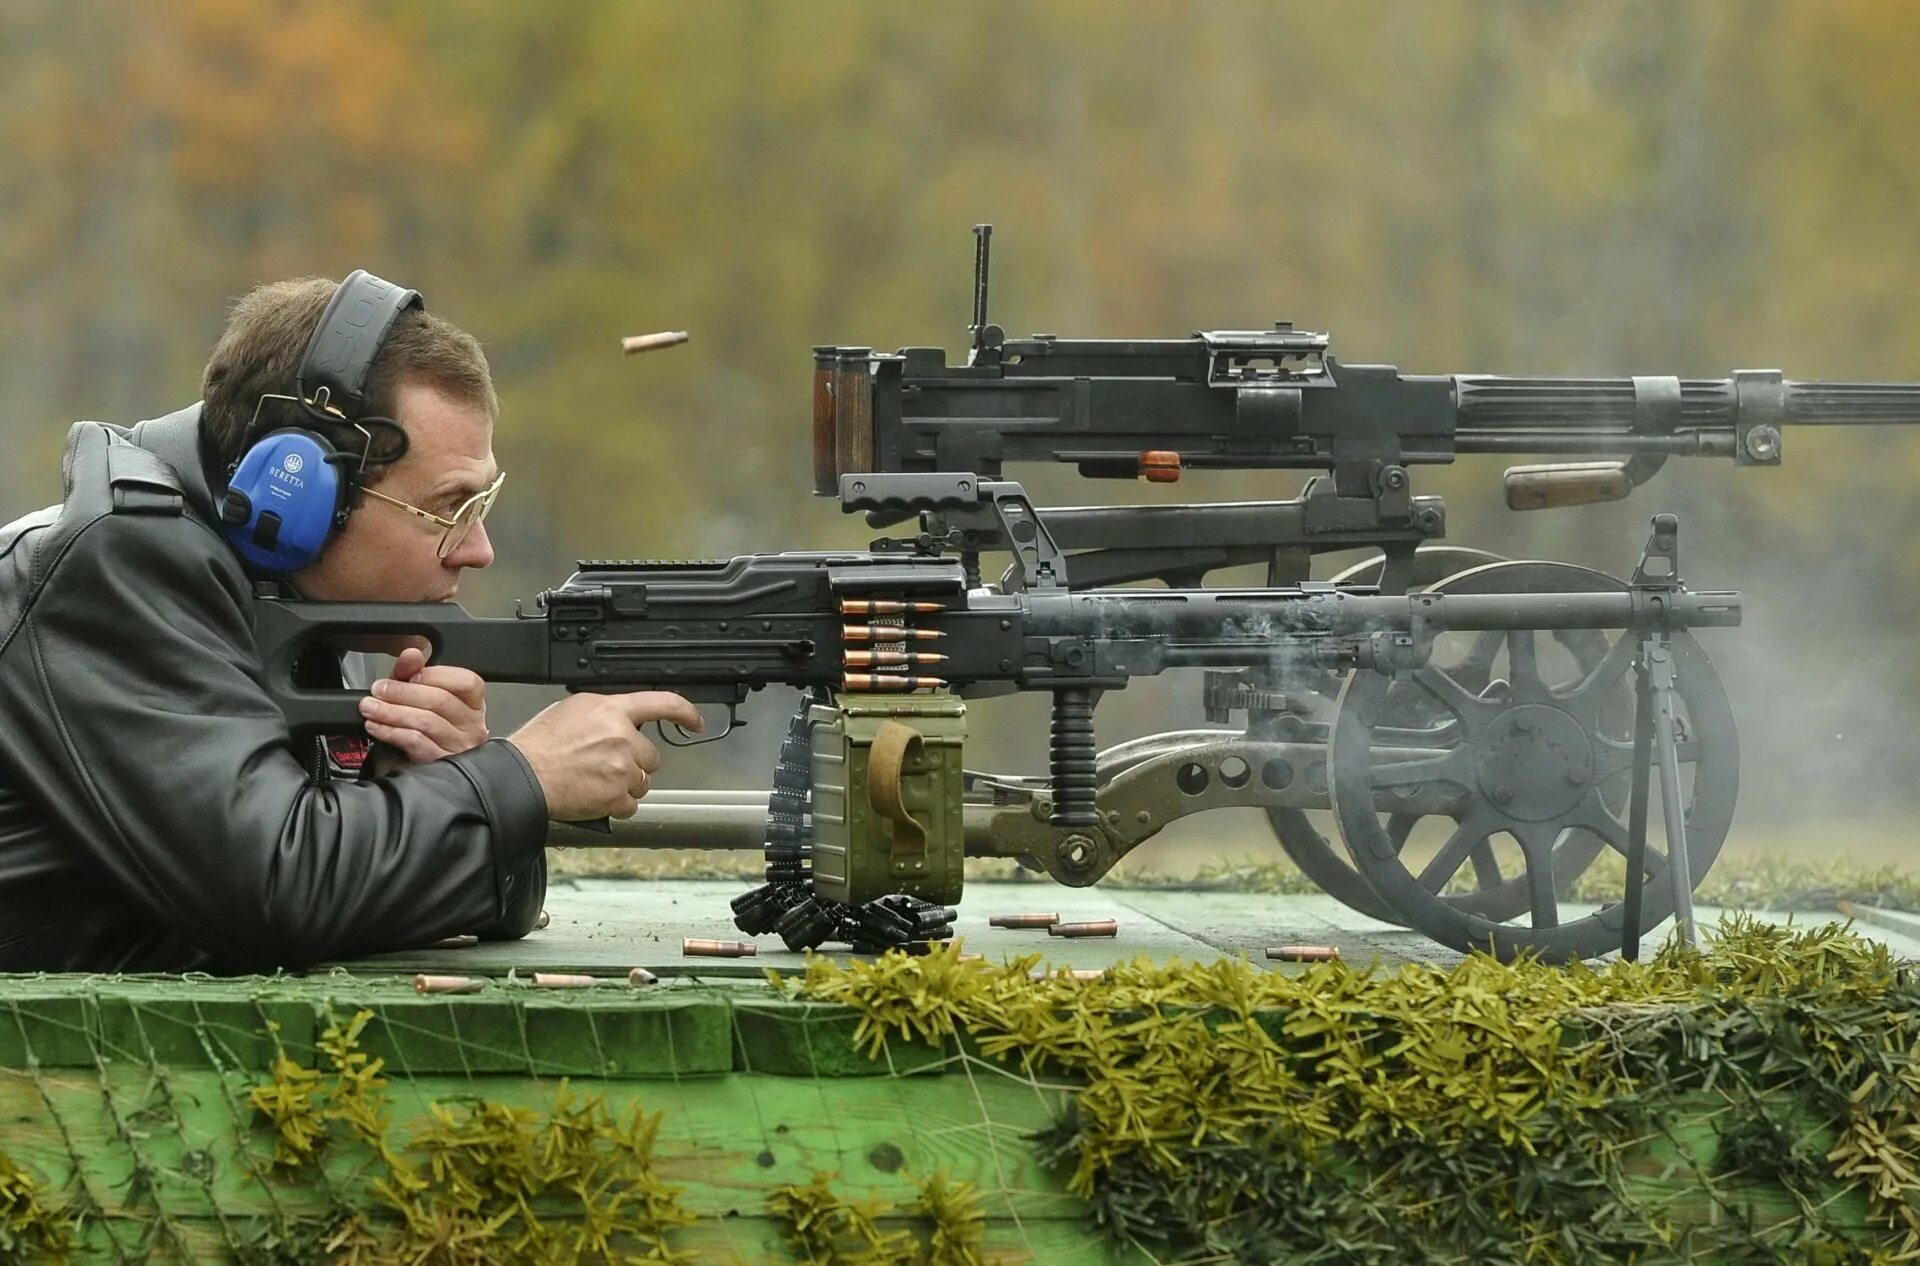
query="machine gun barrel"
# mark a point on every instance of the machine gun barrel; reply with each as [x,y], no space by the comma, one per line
[1681,416]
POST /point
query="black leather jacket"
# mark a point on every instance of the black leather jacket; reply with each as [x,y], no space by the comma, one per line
[154,813]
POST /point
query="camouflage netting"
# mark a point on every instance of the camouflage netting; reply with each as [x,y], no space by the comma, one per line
[1760,1102]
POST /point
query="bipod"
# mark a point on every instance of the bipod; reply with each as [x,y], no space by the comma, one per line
[1656,736]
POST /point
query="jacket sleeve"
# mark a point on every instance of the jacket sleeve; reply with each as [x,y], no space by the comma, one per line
[136,712]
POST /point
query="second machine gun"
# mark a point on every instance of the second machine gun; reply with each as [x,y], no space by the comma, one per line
[867,823]
[1279,399]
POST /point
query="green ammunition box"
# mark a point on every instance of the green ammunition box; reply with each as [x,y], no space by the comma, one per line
[887,796]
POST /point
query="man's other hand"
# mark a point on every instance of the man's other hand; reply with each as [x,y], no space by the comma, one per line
[427,711]
[590,756]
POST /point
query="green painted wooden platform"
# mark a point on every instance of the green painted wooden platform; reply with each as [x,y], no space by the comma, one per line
[135,1089]
[606,926]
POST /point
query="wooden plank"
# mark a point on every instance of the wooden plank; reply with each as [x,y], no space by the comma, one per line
[606,926]
[800,1039]
[187,1140]
[747,1240]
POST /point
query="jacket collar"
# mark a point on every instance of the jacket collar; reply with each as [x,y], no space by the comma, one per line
[175,440]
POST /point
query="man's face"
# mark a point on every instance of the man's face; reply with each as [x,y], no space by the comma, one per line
[385,554]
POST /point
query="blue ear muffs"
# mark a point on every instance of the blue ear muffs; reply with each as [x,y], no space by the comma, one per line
[291,492]
[285,500]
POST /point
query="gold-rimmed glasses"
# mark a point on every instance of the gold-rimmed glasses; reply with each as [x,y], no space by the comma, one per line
[453,531]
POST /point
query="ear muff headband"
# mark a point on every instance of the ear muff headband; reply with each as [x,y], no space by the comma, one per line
[333,374]
[290,492]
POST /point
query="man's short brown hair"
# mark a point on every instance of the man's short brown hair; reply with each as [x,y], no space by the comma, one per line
[266,335]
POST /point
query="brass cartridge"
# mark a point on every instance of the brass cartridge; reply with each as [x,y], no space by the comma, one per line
[446,984]
[694,947]
[1303,953]
[883,633]
[1098,927]
[1022,920]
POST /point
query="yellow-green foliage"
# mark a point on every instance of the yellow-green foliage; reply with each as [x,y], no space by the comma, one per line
[29,1230]
[1763,881]
[466,1187]
[1769,881]
[829,1229]
[958,1224]
[1479,1105]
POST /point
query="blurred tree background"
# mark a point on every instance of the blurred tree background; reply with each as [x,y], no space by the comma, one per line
[1608,187]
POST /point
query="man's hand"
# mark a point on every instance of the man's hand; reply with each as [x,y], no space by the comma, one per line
[589,755]
[427,711]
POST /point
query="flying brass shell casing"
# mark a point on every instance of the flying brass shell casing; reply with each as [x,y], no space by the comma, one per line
[885,681]
[881,633]
[1304,953]
[969,958]
[466,940]
[694,947]
[891,659]
[887,606]
[1069,973]
[447,984]
[640,978]
[648,342]
[1022,920]
[1098,927]
[562,980]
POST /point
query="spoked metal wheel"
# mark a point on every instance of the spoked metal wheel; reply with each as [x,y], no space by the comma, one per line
[1545,766]
[1301,833]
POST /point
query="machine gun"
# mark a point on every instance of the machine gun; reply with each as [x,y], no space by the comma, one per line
[1279,399]
[867,826]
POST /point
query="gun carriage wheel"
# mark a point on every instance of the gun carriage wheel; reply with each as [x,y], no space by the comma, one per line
[1305,844]
[1318,858]
[1545,764]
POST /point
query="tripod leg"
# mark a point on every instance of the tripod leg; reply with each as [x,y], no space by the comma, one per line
[1637,805]
[1666,728]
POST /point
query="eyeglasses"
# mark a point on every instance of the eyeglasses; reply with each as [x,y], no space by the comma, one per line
[454,531]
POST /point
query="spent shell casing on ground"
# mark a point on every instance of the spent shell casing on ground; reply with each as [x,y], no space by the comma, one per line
[1303,953]
[640,978]
[1022,920]
[885,681]
[466,940]
[883,633]
[543,920]
[447,984]
[1097,927]
[648,342]
[694,947]
[891,659]
[887,606]
[562,980]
